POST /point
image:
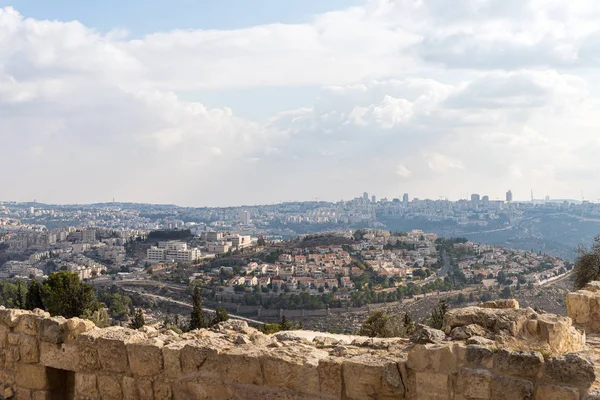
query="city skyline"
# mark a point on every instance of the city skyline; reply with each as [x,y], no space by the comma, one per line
[201,103]
[400,197]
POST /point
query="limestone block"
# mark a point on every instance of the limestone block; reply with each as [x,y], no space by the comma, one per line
[474,383]
[52,330]
[33,376]
[571,369]
[432,386]
[129,388]
[61,356]
[330,377]
[519,363]
[14,339]
[112,349]
[193,356]
[145,390]
[162,390]
[494,320]
[22,394]
[3,336]
[172,359]
[436,357]
[10,317]
[41,395]
[75,327]
[507,304]
[146,358]
[466,332]
[28,324]
[480,356]
[557,331]
[110,388]
[553,392]
[239,364]
[371,377]
[86,385]
[507,388]
[293,368]
[29,349]
[208,390]
[87,345]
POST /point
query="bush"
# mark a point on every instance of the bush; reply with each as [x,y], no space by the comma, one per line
[381,324]
[587,265]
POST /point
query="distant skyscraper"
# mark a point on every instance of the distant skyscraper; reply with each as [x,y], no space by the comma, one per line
[475,198]
[373,199]
[485,199]
[509,197]
[366,196]
[244,217]
[405,198]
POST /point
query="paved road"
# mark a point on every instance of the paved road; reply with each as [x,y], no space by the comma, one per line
[181,303]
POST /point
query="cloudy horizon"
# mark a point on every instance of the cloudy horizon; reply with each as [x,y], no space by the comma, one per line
[384,96]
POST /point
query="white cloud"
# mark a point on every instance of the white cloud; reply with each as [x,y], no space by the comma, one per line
[492,92]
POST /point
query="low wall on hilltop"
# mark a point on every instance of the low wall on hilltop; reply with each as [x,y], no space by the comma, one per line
[57,358]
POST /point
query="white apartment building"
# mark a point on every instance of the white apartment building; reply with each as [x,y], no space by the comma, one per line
[219,247]
[244,217]
[173,251]
[88,236]
[241,242]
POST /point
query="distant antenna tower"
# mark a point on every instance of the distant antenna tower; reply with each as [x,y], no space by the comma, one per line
[532,195]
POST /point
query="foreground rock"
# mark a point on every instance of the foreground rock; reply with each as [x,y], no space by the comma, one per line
[490,353]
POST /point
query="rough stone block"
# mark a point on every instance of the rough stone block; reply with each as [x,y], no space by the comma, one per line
[172,359]
[129,388]
[162,390]
[146,358]
[435,357]
[193,356]
[145,390]
[86,385]
[506,388]
[29,350]
[22,394]
[28,324]
[293,368]
[87,345]
[3,336]
[61,356]
[75,327]
[112,349]
[239,365]
[32,376]
[330,377]
[474,383]
[52,329]
[110,388]
[519,363]
[553,392]
[432,386]
[571,369]
[10,317]
[41,395]
[370,376]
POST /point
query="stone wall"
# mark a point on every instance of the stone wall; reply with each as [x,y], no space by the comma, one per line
[56,358]
[583,306]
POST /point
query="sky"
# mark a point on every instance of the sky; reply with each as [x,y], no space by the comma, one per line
[204,103]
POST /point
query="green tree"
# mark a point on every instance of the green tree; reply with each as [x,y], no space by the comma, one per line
[19,296]
[197,316]
[66,295]
[381,324]
[436,320]
[587,265]
[285,325]
[138,319]
[221,315]
[34,296]
[506,293]
[99,317]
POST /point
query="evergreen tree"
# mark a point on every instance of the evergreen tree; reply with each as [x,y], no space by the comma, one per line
[436,320]
[285,325]
[197,316]
[138,319]
[33,299]
[66,295]
[221,315]
[409,324]
[19,296]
